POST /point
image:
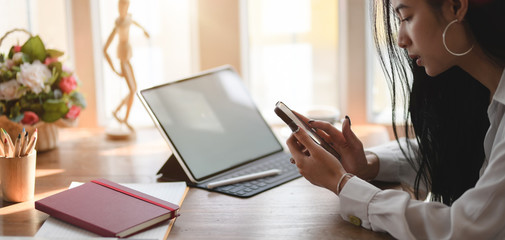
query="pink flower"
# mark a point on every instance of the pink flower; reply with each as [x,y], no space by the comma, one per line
[17,48]
[74,112]
[30,118]
[50,60]
[67,84]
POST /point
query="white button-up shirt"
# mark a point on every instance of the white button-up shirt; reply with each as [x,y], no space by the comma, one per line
[478,214]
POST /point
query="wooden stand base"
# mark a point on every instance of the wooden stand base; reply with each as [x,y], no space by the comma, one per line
[119,134]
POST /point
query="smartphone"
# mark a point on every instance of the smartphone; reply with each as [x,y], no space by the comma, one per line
[292,121]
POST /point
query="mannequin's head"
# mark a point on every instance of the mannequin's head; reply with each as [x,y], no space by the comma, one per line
[123,7]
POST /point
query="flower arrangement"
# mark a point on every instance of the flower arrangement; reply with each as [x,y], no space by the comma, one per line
[35,86]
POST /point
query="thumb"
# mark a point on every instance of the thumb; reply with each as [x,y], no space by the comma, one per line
[349,135]
[304,138]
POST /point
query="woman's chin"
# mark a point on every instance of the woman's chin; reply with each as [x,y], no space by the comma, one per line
[433,72]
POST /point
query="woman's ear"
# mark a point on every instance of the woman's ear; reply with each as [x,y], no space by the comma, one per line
[458,8]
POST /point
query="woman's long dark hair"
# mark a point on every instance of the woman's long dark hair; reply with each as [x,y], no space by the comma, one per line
[447,113]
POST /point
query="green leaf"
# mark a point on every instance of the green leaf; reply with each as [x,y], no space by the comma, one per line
[26,102]
[66,74]
[78,99]
[56,73]
[15,113]
[2,58]
[11,52]
[18,118]
[57,65]
[54,53]
[35,48]
[54,109]
[53,78]
[26,59]
[3,109]
[35,107]
[8,75]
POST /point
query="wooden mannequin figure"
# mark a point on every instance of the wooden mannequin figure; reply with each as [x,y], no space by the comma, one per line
[124,53]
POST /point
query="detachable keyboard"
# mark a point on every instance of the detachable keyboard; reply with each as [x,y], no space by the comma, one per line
[250,188]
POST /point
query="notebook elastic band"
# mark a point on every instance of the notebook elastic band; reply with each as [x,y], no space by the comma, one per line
[133,195]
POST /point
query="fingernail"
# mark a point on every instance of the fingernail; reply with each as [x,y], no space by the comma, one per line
[347,117]
[293,127]
[311,121]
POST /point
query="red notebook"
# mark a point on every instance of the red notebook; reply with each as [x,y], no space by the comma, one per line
[107,208]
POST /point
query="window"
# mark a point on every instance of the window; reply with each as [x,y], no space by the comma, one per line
[292,53]
[378,92]
[289,51]
[47,18]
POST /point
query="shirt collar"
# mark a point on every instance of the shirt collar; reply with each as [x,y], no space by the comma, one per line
[499,95]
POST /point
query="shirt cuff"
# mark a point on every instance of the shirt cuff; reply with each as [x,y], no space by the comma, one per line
[389,164]
[355,197]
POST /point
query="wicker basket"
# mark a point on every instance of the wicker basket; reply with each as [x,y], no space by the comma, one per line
[47,138]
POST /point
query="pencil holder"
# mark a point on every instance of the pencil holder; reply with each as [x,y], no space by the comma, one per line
[18,177]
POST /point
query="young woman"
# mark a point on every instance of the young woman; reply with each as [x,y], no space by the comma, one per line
[447,59]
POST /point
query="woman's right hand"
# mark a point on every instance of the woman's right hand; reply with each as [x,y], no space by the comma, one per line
[346,143]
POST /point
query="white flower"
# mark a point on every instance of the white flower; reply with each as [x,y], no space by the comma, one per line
[10,90]
[34,75]
[17,57]
[9,63]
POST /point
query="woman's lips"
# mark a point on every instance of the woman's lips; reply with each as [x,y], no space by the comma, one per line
[416,58]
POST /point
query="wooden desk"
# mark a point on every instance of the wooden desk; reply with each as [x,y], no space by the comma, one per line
[296,210]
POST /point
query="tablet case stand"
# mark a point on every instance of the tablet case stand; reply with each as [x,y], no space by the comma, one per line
[172,171]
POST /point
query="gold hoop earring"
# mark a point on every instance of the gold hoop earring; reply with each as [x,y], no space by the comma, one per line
[445,44]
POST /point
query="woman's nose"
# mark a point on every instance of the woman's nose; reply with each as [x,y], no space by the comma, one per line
[403,39]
